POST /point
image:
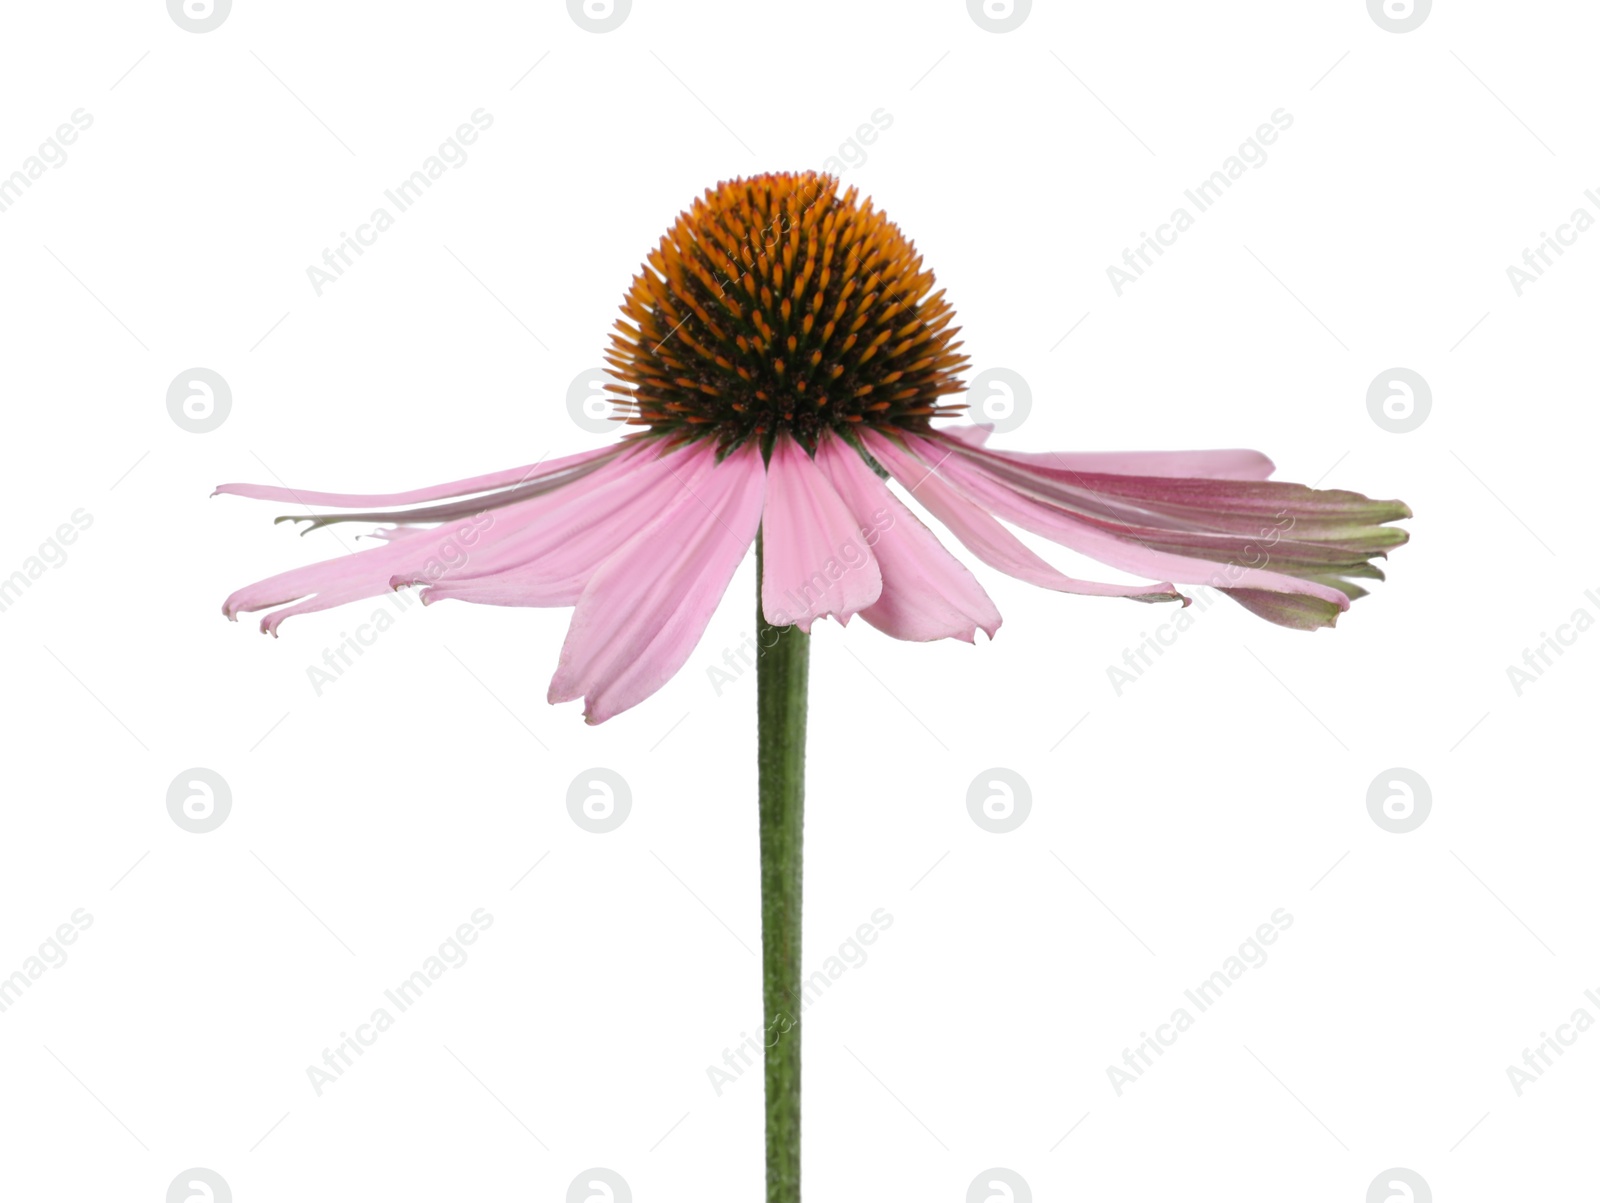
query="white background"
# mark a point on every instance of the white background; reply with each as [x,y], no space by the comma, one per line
[1168,822]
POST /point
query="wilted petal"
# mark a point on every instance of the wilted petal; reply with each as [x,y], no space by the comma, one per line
[1233,464]
[1244,536]
[1116,544]
[568,467]
[986,538]
[431,555]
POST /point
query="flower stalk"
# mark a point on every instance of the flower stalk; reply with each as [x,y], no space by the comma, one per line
[783,658]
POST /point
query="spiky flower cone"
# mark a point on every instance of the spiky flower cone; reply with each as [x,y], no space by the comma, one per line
[779,303]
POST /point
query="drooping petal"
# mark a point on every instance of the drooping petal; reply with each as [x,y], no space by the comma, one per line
[927,592]
[816,561]
[1294,610]
[1246,537]
[1237,505]
[548,561]
[508,478]
[975,434]
[1232,464]
[1235,464]
[345,578]
[413,555]
[645,608]
[986,538]
[1114,544]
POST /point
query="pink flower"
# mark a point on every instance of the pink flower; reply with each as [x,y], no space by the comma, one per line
[784,355]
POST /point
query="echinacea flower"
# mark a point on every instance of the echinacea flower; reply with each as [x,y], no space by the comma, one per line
[781,356]
[782,353]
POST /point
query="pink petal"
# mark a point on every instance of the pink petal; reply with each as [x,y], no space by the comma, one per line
[974,434]
[1108,548]
[644,610]
[1219,465]
[345,578]
[1211,503]
[927,592]
[1213,465]
[413,555]
[815,561]
[549,562]
[544,469]
[1301,531]
[986,538]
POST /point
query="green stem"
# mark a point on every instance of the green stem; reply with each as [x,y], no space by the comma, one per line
[781,663]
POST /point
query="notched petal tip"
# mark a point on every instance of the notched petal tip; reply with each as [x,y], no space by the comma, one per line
[989,629]
[311,524]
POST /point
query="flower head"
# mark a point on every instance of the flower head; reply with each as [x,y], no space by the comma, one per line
[782,354]
[776,304]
